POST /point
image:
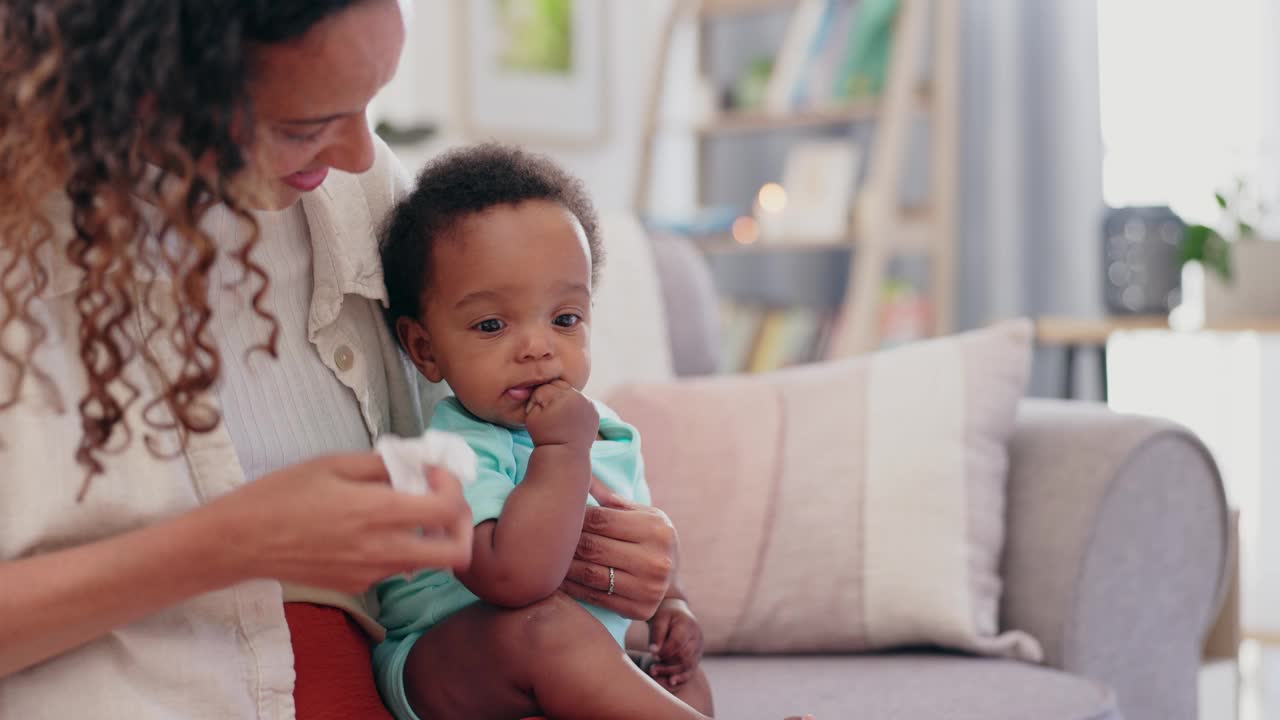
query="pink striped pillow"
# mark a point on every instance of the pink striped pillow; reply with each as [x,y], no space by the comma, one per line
[847,506]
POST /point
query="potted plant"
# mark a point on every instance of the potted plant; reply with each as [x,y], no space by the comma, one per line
[1229,274]
[1209,246]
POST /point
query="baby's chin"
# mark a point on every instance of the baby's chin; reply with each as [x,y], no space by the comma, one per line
[510,418]
[509,423]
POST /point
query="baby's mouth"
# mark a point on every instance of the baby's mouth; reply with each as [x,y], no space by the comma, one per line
[522,393]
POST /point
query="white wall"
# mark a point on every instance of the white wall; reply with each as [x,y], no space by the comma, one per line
[423,90]
[1220,385]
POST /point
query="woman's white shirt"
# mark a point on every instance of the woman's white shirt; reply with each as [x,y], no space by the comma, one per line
[225,654]
[292,408]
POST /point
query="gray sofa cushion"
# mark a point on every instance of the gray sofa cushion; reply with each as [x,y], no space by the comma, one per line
[906,686]
[692,305]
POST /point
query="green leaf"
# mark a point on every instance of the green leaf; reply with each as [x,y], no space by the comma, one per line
[1246,230]
[1203,244]
[1194,241]
[1218,256]
[1222,201]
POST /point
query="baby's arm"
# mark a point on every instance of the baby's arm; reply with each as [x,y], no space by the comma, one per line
[523,556]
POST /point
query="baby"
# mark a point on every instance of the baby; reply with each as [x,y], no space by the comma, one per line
[490,265]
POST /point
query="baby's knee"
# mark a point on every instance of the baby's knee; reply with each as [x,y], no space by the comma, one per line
[549,626]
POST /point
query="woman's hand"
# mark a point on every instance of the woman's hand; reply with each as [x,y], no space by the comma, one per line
[637,541]
[335,522]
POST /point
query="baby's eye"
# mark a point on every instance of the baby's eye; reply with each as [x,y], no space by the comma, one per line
[567,320]
[490,326]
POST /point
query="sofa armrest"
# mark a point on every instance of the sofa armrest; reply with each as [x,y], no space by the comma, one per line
[1116,550]
[692,305]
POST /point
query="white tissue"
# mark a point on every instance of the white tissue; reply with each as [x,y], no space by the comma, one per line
[408,458]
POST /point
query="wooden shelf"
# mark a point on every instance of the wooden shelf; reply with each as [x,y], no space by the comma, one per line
[1075,331]
[914,237]
[1070,331]
[724,243]
[750,121]
[825,274]
[765,247]
[729,8]
[915,233]
[782,275]
[760,121]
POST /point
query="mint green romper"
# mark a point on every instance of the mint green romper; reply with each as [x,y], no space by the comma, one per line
[409,607]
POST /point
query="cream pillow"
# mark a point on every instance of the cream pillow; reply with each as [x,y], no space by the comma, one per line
[629,330]
[843,507]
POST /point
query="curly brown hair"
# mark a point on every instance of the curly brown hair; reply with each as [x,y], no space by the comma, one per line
[103,102]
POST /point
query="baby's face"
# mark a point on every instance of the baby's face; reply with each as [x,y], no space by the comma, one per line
[509,308]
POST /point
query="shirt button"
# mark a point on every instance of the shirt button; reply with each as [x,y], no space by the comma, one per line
[343,358]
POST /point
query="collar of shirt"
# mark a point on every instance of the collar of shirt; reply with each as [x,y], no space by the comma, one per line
[341,224]
[346,247]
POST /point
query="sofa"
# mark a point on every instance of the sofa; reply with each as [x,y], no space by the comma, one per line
[1114,559]
[1116,552]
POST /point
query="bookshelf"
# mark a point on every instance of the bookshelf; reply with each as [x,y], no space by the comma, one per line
[851,284]
[764,121]
[761,121]
[711,9]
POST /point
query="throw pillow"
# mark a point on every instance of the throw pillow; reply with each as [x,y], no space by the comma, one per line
[848,506]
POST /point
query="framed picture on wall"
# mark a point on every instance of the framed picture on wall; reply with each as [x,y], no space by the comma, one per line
[818,181]
[534,70]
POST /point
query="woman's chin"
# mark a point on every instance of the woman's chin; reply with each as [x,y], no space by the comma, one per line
[278,197]
[262,194]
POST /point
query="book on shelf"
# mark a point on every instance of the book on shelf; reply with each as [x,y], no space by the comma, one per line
[806,92]
[833,52]
[799,337]
[756,339]
[787,65]
[828,56]
[769,351]
[761,339]
[826,333]
[866,64]
[905,314]
[740,326]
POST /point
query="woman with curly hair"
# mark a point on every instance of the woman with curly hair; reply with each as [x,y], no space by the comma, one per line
[192,366]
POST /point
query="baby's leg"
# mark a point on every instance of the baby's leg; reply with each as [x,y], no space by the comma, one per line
[695,692]
[552,657]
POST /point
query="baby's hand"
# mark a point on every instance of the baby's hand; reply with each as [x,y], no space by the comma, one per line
[559,415]
[675,638]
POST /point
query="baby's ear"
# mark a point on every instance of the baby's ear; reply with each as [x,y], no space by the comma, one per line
[415,340]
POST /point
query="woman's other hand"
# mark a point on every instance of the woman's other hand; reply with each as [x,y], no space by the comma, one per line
[335,522]
[637,541]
